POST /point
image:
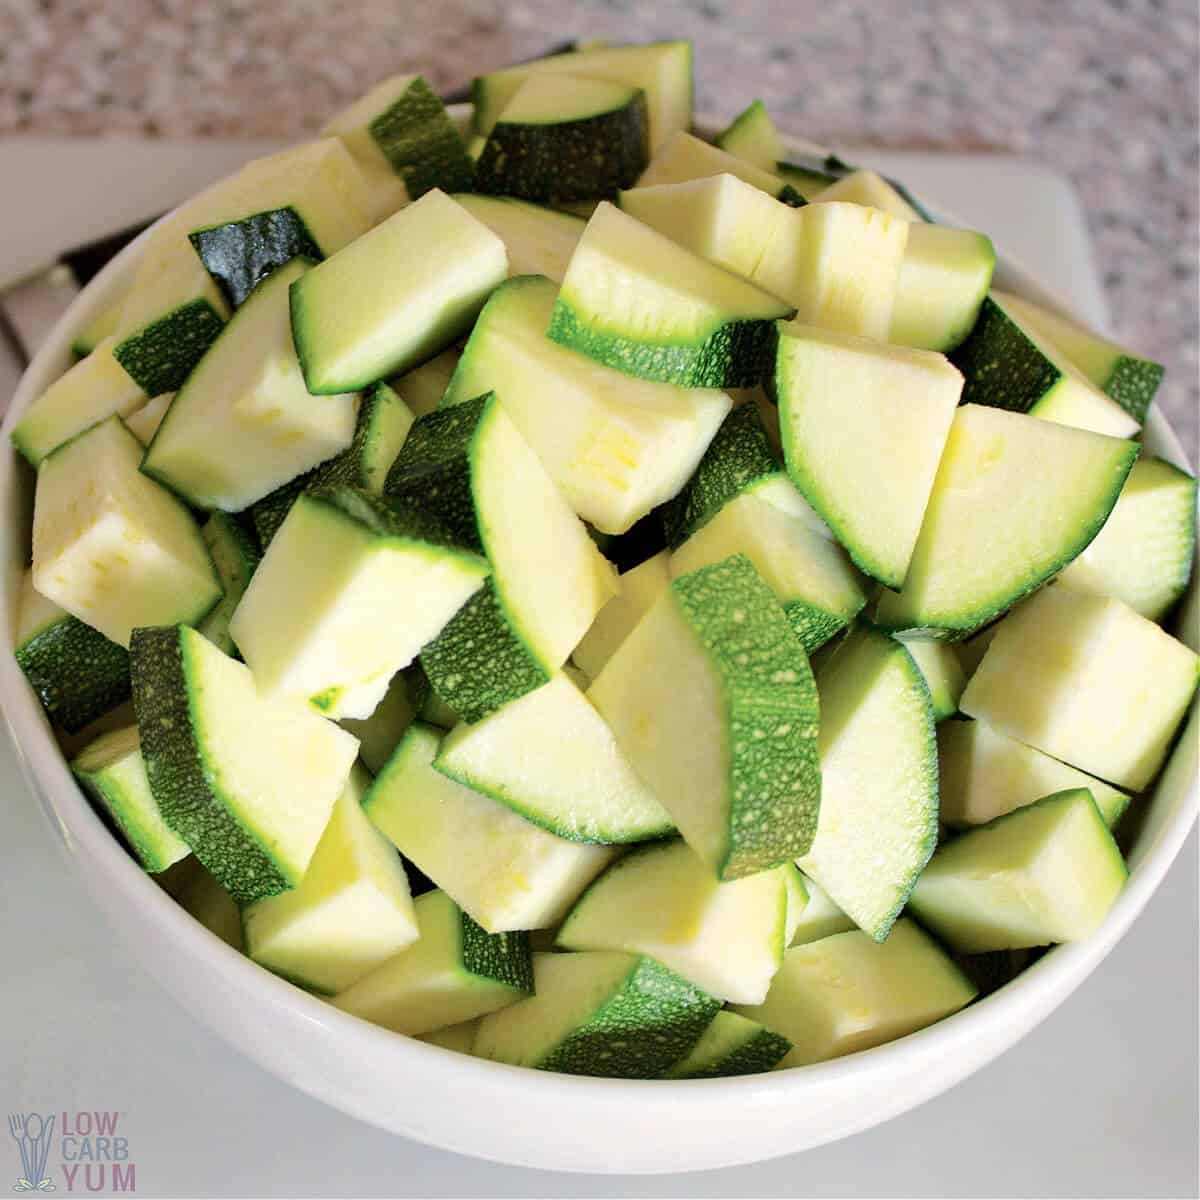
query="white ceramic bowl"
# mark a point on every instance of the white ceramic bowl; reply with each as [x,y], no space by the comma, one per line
[487,1109]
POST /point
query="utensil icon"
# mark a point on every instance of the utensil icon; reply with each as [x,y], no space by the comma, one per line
[32,1133]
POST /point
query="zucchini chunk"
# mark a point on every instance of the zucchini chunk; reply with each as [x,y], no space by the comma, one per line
[877,824]
[820,917]
[599,1013]
[422,388]
[616,447]
[563,138]
[640,587]
[944,676]
[235,555]
[871,190]
[380,733]
[550,757]
[539,241]
[847,993]
[143,422]
[111,546]
[685,158]
[112,772]
[470,467]
[731,1045]
[103,325]
[634,300]
[248,783]
[1088,680]
[396,296]
[351,912]
[863,429]
[244,423]
[86,394]
[75,671]
[506,872]
[1006,364]
[982,775]
[752,135]
[712,700]
[1048,872]
[998,473]
[663,901]
[455,972]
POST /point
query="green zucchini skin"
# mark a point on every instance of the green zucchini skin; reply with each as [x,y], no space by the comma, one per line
[504,957]
[76,672]
[239,255]
[420,142]
[1133,384]
[161,356]
[1001,367]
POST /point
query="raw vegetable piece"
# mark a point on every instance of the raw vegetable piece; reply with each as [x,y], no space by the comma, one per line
[985,541]
[1144,553]
[565,137]
[471,468]
[847,993]
[599,1013]
[425,701]
[879,789]
[396,296]
[404,139]
[348,592]
[634,300]
[113,774]
[235,556]
[550,757]
[1048,872]
[504,871]
[112,547]
[863,429]
[712,701]
[811,577]
[76,672]
[380,429]
[1006,364]
[662,69]
[1087,680]
[380,733]
[616,447]
[248,783]
[101,326]
[455,972]
[871,190]
[808,174]
[971,651]
[539,241]
[797,900]
[640,587]
[244,424]
[664,902]
[1132,381]
[685,158]
[143,422]
[944,675]
[86,394]
[460,1037]
[351,912]
[982,775]
[821,918]
[944,278]
[205,899]
[731,1045]
[838,265]
[752,135]
[422,388]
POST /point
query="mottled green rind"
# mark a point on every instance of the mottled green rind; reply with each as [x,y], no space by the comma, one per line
[184,783]
[416,135]
[1133,384]
[760,1053]
[738,456]
[587,159]
[772,715]
[235,555]
[76,672]
[504,957]
[813,626]
[161,356]
[737,353]
[649,1022]
[239,255]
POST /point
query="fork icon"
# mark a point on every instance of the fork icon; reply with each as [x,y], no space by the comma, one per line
[33,1134]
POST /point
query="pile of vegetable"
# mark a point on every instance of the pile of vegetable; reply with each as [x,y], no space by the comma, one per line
[325,606]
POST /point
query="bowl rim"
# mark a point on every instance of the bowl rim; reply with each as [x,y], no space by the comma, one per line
[1018,1005]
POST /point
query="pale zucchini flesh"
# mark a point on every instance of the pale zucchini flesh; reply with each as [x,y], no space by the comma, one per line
[640,587]
[539,241]
[685,158]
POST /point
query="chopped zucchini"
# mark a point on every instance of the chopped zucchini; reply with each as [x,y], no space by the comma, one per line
[820,917]
[455,972]
[634,300]
[1087,680]
[944,675]
[808,175]
[752,135]
[422,388]
[685,158]
[539,241]
[396,296]
[796,892]
[506,872]
[248,783]
[1048,872]
[616,447]
[985,541]
[731,1045]
[640,587]
[235,555]
[599,1013]
[143,422]
[111,546]
[872,191]
[380,733]
[112,772]
[712,701]
[102,325]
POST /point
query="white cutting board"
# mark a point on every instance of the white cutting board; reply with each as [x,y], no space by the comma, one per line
[1101,1100]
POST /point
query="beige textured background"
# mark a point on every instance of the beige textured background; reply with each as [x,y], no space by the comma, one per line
[1104,90]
